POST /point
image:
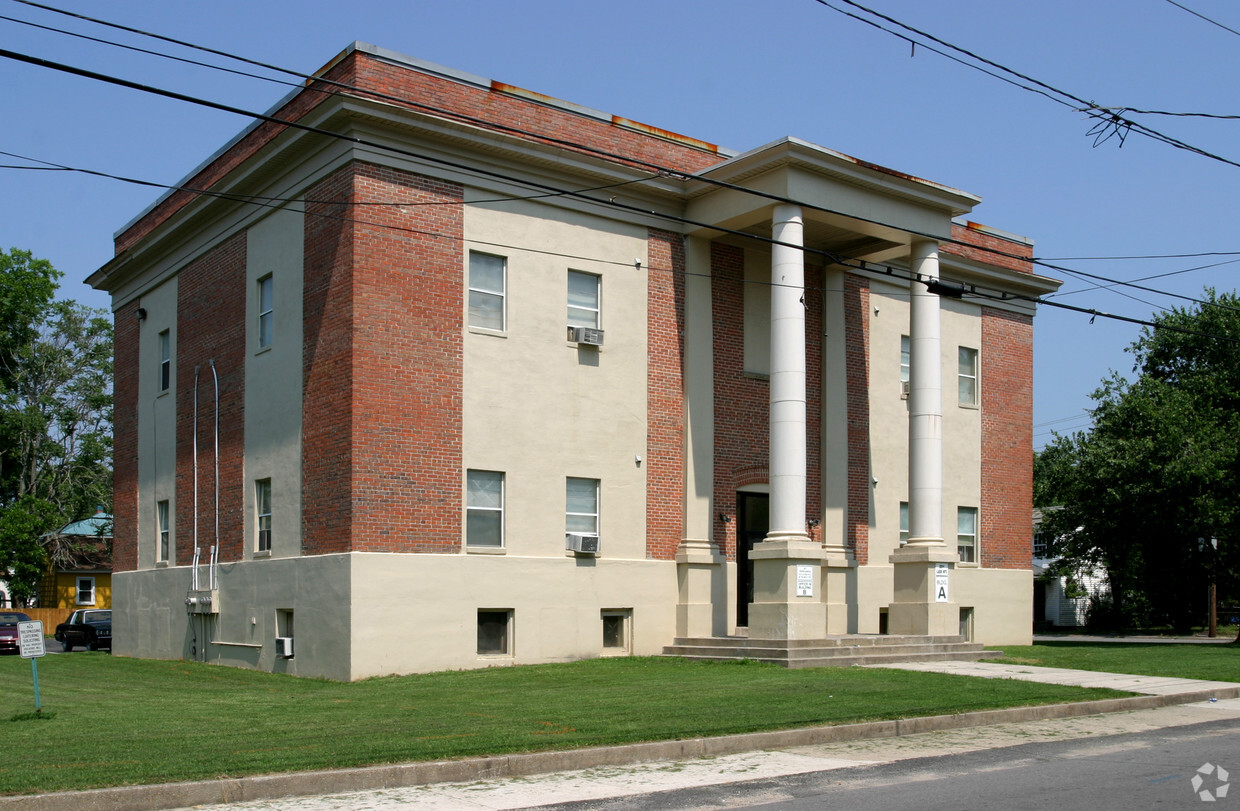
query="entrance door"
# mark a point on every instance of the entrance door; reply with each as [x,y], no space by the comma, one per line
[752,524]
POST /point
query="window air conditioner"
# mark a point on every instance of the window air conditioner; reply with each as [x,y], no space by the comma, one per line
[904,389]
[585,544]
[284,647]
[586,335]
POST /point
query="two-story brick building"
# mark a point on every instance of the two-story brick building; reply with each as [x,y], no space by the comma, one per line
[448,374]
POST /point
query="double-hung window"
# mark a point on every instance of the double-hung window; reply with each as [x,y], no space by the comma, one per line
[487,286]
[583,299]
[903,523]
[262,514]
[966,534]
[906,353]
[266,309]
[86,591]
[484,508]
[581,510]
[165,360]
[162,518]
[968,376]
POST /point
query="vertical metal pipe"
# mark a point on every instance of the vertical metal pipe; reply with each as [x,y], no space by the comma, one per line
[216,538]
[195,444]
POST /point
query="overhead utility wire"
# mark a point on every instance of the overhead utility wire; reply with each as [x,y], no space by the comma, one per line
[834,258]
[1111,121]
[1204,17]
[572,144]
[657,168]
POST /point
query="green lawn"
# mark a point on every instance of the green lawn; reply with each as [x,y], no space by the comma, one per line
[125,721]
[1214,662]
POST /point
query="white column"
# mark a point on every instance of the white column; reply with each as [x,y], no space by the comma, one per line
[787,449]
[925,402]
[921,602]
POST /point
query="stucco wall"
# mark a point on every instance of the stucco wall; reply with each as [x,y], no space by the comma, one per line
[540,408]
[273,381]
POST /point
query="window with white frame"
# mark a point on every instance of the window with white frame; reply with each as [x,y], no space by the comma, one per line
[906,353]
[903,523]
[262,514]
[968,376]
[266,309]
[165,360]
[86,591]
[162,518]
[487,288]
[484,508]
[583,299]
[581,506]
[966,534]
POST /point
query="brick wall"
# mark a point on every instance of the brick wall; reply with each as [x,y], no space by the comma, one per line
[408,342]
[857,363]
[211,296]
[494,105]
[989,248]
[125,440]
[383,363]
[327,367]
[665,402]
[1007,440]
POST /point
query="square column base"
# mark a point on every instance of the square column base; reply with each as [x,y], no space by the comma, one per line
[778,611]
[915,609]
[700,578]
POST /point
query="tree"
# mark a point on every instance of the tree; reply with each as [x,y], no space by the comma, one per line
[55,415]
[1157,471]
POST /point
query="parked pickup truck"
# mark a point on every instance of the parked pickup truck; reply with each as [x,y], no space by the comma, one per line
[89,628]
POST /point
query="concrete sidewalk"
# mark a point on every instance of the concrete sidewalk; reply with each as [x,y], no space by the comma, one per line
[613,771]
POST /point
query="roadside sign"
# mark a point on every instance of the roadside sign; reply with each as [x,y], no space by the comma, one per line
[30,640]
[30,637]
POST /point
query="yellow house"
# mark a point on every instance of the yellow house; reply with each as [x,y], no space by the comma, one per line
[79,572]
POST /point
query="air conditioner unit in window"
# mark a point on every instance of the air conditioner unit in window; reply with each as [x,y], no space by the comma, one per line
[586,335]
[284,647]
[904,389]
[585,544]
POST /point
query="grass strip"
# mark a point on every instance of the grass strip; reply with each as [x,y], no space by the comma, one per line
[125,721]
[1212,662]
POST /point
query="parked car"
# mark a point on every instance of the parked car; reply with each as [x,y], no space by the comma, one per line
[89,628]
[8,630]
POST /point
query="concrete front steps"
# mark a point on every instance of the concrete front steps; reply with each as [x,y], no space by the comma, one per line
[835,651]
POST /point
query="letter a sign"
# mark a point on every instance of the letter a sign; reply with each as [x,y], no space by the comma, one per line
[940,582]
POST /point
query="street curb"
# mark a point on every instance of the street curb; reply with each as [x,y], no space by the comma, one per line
[402,775]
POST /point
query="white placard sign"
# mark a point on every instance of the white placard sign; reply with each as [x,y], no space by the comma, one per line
[940,582]
[30,638]
[805,581]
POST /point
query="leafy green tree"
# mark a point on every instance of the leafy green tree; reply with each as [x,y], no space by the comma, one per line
[1158,471]
[55,415]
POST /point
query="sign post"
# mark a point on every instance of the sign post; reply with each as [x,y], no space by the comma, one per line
[30,638]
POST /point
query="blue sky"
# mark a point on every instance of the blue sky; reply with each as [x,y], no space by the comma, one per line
[739,74]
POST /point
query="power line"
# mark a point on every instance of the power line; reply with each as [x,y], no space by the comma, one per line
[1109,121]
[526,133]
[1204,17]
[833,258]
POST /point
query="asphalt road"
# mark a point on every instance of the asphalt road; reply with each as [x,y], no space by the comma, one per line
[1153,769]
